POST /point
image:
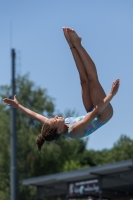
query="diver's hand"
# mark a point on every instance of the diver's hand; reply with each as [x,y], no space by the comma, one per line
[11,102]
[115,87]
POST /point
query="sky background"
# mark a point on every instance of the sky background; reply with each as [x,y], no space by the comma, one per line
[34,29]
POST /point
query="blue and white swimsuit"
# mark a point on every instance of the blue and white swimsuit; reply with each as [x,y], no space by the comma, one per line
[93,126]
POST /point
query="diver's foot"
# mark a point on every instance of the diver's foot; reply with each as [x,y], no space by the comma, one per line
[75,39]
[67,37]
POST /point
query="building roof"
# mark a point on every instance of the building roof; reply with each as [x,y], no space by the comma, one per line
[117,179]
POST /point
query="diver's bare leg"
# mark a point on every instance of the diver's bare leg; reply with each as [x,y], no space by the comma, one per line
[82,74]
[96,91]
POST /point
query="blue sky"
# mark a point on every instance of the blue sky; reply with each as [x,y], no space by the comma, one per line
[34,29]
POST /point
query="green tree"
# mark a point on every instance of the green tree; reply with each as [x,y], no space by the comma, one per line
[98,157]
[4,153]
[122,150]
[71,165]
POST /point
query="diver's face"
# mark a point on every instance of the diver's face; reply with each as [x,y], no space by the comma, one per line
[57,122]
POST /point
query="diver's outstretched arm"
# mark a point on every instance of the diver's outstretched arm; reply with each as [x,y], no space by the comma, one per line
[14,103]
[83,124]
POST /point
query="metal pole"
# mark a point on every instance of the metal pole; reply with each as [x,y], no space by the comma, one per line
[13,165]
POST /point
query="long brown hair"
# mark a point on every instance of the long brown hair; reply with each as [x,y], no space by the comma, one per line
[47,134]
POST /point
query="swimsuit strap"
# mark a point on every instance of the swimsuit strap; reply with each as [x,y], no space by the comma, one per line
[69,129]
